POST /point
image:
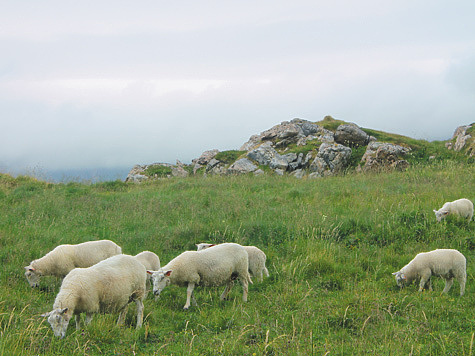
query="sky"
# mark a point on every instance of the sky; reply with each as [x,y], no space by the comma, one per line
[104,85]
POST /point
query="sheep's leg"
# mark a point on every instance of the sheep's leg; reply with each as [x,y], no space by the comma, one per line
[245,289]
[462,285]
[122,315]
[78,321]
[189,293]
[422,284]
[430,285]
[227,290]
[139,303]
[89,318]
[448,285]
[193,300]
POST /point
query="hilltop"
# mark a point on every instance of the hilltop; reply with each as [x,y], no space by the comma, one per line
[308,149]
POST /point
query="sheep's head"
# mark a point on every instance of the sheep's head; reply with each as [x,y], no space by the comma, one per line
[160,279]
[441,214]
[32,276]
[59,320]
[400,278]
[203,246]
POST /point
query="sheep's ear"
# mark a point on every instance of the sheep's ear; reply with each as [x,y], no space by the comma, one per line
[150,272]
[394,273]
[29,268]
[435,211]
[64,311]
[446,213]
[168,273]
[211,245]
[45,314]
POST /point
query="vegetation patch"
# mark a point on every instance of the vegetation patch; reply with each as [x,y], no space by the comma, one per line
[159,171]
[228,157]
[330,123]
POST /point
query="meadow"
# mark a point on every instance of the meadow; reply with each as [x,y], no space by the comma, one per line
[331,247]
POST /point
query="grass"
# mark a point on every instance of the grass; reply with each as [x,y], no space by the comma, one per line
[331,246]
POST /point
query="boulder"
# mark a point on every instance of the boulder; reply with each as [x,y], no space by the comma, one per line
[242,166]
[263,154]
[205,157]
[331,159]
[462,140]
[381,155]
[351,135]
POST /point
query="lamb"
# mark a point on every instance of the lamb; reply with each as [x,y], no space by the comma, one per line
[460,207]
[446,263]
[107,287]
[210,267]
[64,258]
[257,260]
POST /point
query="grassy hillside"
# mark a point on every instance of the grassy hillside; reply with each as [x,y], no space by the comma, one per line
[331,246]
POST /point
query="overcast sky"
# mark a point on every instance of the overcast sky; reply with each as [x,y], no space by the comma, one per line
[111,84]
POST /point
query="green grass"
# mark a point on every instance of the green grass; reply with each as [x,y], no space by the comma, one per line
[331,246]
[229,157]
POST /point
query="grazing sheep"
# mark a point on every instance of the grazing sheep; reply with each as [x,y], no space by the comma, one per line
[257,260]
[151,262]
[446,263]
[64,258]
[107,287]
[149,259]
[210,267]
[460,207]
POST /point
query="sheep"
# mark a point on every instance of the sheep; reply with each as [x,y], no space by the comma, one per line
[210,267]
[151,262]
[64,258]
[257,260]
[446,263]
[460,207]
[106,287]
[149,259]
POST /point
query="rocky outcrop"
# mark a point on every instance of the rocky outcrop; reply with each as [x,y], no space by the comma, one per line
[383,156]
[303,149]
[331,159]
[462,140]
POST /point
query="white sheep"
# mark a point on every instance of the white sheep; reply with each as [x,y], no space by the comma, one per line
[257,260]
[446,263]
[64,258]
[460,207]
[210,267]
[107,287]
[151,262]
[149,259]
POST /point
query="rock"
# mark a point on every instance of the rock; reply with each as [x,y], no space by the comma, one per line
[263,154]
[205,157]
[242,166]
[381,155]
[299,173]
[258,172]
[351,135]
[331,159]
[462,140]
[279,172]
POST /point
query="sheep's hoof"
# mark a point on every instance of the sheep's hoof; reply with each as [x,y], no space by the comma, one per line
[186,308]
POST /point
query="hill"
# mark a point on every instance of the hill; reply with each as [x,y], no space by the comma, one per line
[307,149]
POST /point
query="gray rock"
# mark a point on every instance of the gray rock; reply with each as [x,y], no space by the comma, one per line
[351,135]
[299,173]
[461,140]
[279,162]
[205,157]
[382,155]
[331,159]
[263,154]
[242,166]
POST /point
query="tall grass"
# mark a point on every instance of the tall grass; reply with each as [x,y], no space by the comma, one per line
[331,246]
